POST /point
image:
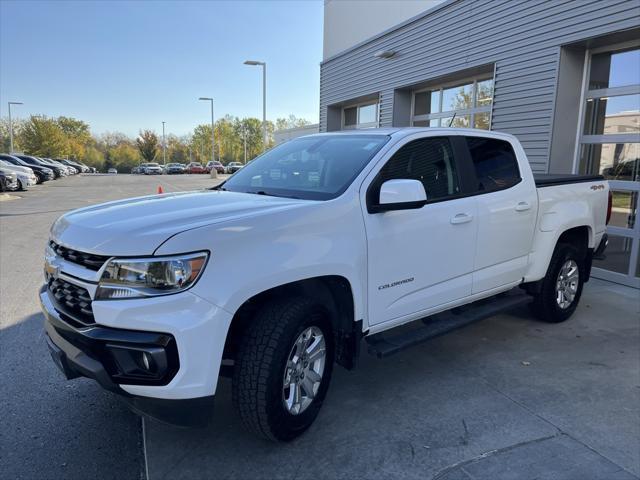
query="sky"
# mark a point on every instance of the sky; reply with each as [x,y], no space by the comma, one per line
[123,66]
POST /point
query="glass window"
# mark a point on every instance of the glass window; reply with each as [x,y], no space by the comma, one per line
[495,163]
[482,121]
[618,255]
[429,160]
[612,115]
[315,168]
[351,116]
[616,161]
[426,102]
[624,209]
[484,95]
[615,69]
[457,98]
[367,113]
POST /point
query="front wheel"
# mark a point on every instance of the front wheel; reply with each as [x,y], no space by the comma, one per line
[283,369]
[561,287]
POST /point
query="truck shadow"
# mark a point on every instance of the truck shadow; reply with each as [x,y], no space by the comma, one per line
[409,415]
[54,428]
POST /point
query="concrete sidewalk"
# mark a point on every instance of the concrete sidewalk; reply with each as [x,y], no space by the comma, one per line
[509,397]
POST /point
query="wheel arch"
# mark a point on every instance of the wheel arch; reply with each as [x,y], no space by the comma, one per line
[333,292]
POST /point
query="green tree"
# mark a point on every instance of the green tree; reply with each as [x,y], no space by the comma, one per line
[5,138]
[43,136]
[147,143]
[124,156]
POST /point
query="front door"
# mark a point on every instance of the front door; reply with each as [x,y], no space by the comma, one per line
[420,258]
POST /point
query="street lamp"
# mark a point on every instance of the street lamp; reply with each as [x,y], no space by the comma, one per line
[264,96]
[164,147]
[213,135]
[11,125]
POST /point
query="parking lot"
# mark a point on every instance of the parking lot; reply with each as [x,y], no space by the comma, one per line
[505,398]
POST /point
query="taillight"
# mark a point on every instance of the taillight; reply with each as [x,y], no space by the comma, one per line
[609,205]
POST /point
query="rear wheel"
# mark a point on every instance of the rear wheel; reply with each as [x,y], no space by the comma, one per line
[283,368]
[561,287]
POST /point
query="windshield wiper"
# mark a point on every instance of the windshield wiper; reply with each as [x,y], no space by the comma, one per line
[262,192]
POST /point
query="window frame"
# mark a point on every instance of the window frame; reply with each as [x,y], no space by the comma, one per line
[475,109]
[358,106]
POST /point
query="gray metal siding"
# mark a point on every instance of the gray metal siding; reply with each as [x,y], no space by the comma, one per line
[522,38]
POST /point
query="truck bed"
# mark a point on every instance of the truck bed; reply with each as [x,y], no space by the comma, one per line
[552,179]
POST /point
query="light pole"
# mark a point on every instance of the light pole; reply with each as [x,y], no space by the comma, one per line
[11,125]
[213,134]
[244,137]
[164,147]
[264,97]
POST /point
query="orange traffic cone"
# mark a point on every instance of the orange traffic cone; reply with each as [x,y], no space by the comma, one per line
[160,189]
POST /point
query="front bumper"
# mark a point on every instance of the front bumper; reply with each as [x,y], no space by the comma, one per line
[108,355]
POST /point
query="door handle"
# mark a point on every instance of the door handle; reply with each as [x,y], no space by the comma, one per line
[523,206]
[461,218]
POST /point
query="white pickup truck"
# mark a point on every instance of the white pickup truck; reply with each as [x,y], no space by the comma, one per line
[314,247]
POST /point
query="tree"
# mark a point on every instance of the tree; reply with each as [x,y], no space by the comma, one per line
[291,122]
[43,136]
[147,143]
[5,138]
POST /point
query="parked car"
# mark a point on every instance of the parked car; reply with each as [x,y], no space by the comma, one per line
[57,171]
[215,164]
[174,168]
[42,174]
[8,181]
[405,225]
[136,170]
[112,170]
[65,171]
[233,167]
[195,167]
[151,168]
[25,176]
[75,165]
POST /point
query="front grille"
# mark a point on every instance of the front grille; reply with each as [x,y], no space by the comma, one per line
[87,260]
[71,301]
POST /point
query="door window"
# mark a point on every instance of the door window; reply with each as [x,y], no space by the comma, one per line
[494,162]
[429,160]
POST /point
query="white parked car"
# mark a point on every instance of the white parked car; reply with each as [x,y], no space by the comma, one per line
[112,170]
[151,168]
[25,176]
[319,244]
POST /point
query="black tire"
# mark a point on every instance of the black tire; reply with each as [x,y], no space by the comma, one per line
[21,186]
[545,305]
[258,377]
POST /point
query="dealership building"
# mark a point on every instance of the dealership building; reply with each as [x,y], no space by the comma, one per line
[563,76]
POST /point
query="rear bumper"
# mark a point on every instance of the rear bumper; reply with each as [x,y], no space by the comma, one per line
[96,352]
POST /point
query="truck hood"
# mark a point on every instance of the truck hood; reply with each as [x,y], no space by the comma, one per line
[138,226]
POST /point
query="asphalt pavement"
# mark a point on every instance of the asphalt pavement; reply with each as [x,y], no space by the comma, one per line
[51,428]
[507,398]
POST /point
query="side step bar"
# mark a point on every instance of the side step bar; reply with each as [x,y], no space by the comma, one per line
[387,343]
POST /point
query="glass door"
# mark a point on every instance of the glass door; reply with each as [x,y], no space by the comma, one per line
[610,145]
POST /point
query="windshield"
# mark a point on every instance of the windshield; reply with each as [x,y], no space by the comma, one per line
[311,168]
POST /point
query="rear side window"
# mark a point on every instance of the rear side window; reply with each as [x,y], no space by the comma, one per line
[495,163]
[429,160]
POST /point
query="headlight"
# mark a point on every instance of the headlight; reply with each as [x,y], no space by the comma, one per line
[149,277]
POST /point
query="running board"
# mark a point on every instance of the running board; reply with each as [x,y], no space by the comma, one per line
[387,343]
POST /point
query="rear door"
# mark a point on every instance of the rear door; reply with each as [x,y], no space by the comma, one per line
[507,204]
[420,258]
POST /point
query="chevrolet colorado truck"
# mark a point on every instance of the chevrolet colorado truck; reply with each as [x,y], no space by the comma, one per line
[315,248]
